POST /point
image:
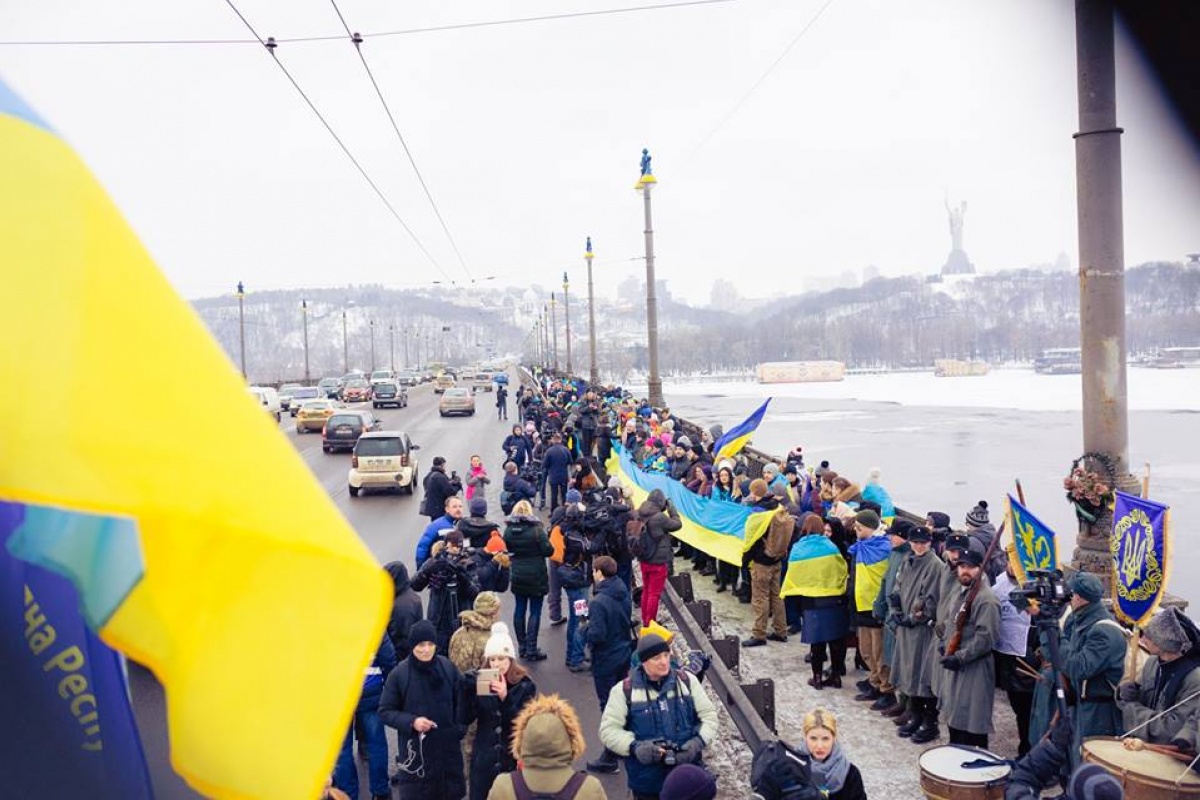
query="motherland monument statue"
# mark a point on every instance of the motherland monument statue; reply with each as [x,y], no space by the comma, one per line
[957,262]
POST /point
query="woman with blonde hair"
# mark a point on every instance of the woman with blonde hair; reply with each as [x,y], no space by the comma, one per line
[831,769]
[547,740]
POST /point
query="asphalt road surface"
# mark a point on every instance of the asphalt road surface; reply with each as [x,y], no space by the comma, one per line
[390,525]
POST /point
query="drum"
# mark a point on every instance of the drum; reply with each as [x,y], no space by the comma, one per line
[1144,774]
[943,776]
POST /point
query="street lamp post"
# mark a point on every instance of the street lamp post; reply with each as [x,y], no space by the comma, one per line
[545,339]
[554,327]
[241,295]
[593,375]
[567,315]
[304,316]
[392,338]
[371,325]
[654,383]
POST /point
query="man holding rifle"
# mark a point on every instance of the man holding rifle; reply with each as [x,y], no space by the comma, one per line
[968,683]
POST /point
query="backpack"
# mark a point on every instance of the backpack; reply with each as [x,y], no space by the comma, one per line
[778,537]
[558,543]
[567,792]
[506,503]
[641,546]
[778,772]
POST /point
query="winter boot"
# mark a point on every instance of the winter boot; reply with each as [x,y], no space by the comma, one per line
[907,715]
[886,700]
[909,728]
[832,678]
[608,763]
[870,694]
[929,725]
[902,703]
[817,681]
[863,685]
[915,716]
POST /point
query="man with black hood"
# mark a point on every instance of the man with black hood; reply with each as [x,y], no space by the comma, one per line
[660,519]
[406,609]
[422,700]
[438,487]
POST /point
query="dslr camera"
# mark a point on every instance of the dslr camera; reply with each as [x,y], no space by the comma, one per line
[1046,587]
[669,749]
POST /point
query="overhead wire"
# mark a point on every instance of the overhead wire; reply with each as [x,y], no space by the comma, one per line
[356,39]
[270,44]
[333,38]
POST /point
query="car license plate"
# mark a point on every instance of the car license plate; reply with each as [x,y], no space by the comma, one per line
[343,431]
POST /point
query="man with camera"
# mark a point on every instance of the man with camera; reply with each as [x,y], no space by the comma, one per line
[657,718]
[452,586]
[437,487]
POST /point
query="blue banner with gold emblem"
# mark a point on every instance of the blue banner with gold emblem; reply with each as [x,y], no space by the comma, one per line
[1140,556]
[1034,545]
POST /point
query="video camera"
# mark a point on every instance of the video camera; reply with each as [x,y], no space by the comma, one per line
[1046,587]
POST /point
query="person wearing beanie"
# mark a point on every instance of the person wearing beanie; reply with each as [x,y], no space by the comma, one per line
[437,488]
[1093,782]
[452,583]
[369,728]
[422,700]
[1093,660]
[493,709]
[660,520]
[773,476]
[912,606]
[967,684]
[766,556]
[407,609]
[868,519]
[608,637]
[1168,677]
[977,517]
[657,704]
[832,773]
[476,528]
[547,739]
[689,782]
[871,547]
[475,626]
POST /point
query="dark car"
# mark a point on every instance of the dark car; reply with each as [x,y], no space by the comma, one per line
[389,394]
[342,430]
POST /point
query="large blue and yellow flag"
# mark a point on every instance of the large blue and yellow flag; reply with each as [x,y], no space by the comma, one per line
[736,438]
[1034,545]
[199,542]
[1141,552]
[815,568]
[870,565]
[721,529]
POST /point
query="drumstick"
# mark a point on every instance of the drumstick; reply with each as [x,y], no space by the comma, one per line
[1179,780]
[1028,671]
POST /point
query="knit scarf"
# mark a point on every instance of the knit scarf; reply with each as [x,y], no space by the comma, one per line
[829,775]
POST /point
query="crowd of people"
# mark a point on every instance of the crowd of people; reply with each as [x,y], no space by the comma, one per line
[925,609]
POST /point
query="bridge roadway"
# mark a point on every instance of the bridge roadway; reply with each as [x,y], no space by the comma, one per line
[390,526]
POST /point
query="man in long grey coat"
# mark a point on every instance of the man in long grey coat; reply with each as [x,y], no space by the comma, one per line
[947,603]
[969,679]
[913,605]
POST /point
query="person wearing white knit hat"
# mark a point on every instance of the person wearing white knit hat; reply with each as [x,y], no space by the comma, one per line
[495,711]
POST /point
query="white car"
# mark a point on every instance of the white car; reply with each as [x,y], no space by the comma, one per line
[268,398]
[382,376]
[301,395]
[383,460]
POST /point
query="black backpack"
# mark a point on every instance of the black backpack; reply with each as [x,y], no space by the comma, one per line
[641,546]
[780,773]
[567,792]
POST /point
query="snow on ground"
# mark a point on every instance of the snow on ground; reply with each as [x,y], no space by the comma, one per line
[889,764]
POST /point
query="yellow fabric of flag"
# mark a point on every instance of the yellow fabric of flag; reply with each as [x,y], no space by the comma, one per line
[259,607]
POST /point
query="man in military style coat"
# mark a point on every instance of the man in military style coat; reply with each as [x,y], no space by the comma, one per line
[913,606]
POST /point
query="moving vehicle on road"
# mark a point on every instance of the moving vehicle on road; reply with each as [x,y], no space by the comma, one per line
[356,390]
[383,460]
[443,382]
[382,376]
[457,401]
[481,381]
[301,395]
[312,414]
[285,395]
[329,386]
[389,393]
[408,378]
[343,428]
[268,398]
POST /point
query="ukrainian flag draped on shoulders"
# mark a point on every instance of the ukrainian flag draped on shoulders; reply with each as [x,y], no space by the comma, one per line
[870,564]
[815,568]
[721,529]
[198,541]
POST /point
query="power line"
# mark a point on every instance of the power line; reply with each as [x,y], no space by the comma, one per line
[738,105]
[333,38]
[270,45]
[357,40]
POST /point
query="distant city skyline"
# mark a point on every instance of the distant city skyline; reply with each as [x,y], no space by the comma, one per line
[838,158]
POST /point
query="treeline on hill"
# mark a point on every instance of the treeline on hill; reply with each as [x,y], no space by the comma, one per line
[898,322]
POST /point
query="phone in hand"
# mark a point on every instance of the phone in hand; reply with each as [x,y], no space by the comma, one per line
[483,681]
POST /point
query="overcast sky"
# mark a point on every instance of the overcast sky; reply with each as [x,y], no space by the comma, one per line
[529,137]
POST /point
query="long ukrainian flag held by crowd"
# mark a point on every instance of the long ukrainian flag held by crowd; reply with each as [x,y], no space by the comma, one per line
[815,568]
[197,539]
[720,529]
[736,438]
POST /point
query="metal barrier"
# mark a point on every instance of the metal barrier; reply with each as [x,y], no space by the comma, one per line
[750,706]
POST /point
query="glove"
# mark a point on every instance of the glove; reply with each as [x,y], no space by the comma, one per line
[1062,733]
[894,600]
[952,663]
[646,752]
[502,560]
[691,751]
[1128,691]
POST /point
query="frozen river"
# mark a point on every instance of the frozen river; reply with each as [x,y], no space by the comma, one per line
[945,443]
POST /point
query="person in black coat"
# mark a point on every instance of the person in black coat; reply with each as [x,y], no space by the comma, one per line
[517,447]
[496,711]
[452,585]
[422,700]
[438,486]
[515,488]
[610,638]
[557,464]
[406,609]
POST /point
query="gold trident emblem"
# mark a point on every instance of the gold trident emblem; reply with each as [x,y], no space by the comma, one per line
[1133,560]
